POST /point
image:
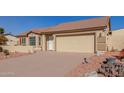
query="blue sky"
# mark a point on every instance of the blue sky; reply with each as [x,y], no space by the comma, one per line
[18,24]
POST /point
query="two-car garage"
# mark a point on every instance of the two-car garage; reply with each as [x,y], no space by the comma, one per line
[75,43]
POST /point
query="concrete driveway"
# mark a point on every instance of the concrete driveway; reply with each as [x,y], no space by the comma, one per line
[45,64]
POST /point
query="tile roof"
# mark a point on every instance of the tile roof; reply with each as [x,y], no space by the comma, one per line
[83,24]
[36,31]
[23,33]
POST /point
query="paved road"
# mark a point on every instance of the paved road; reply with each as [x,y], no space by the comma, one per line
[45,64]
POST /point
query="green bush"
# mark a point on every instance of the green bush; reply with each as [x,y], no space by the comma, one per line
[1,49]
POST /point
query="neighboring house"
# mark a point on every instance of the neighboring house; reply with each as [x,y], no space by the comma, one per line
[118,39]
[12,40]
[87,36]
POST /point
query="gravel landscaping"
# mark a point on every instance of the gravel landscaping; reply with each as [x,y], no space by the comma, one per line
[90,69]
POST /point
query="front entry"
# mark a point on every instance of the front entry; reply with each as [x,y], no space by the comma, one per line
[50,43]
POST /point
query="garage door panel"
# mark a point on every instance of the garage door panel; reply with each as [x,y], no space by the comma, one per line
[78,43]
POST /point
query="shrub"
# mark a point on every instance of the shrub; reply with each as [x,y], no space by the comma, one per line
[3,39]
[6,52]
[1,49]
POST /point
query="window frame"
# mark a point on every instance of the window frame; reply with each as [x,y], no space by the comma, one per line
[32,40]
[23,42]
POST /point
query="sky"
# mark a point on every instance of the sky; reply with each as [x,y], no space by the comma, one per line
[18,24]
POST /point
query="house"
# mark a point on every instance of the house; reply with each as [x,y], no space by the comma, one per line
[12,40]
[117,39]
[86,36]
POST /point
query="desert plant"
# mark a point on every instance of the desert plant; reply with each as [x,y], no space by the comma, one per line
[6,52]
[1,49]
[3,39]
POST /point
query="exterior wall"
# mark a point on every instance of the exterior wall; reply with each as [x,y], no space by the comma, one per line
[118,39]
[43,42]
[27,41]
[109,42]
[24,49]
[100,42]
[54,42]
[12,40]
[38,43]
[20,40]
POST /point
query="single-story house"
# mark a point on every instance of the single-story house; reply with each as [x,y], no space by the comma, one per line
[12,40]
[87,36]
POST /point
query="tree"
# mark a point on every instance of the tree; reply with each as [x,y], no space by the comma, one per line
[3,39]
[1,30]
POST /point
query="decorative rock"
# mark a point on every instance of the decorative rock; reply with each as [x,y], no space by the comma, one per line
[91,74]
[111,69]
[122,60]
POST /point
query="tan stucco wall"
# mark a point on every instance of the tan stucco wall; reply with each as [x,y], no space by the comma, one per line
[109,42]
[12,40]
[43,42]
[103,41]
[24,49]
[100,42]
[118,39]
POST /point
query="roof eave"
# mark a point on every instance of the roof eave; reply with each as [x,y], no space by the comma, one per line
[77,30]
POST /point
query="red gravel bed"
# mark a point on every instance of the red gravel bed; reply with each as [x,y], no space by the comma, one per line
[93,65]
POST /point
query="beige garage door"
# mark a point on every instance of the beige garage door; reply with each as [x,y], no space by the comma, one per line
[77,43]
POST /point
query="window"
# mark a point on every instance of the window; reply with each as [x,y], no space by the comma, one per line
[32,41]
[23,41]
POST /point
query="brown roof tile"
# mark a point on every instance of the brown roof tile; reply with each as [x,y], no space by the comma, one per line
[37,31]
[23,33]
[83,24]
[40,30]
